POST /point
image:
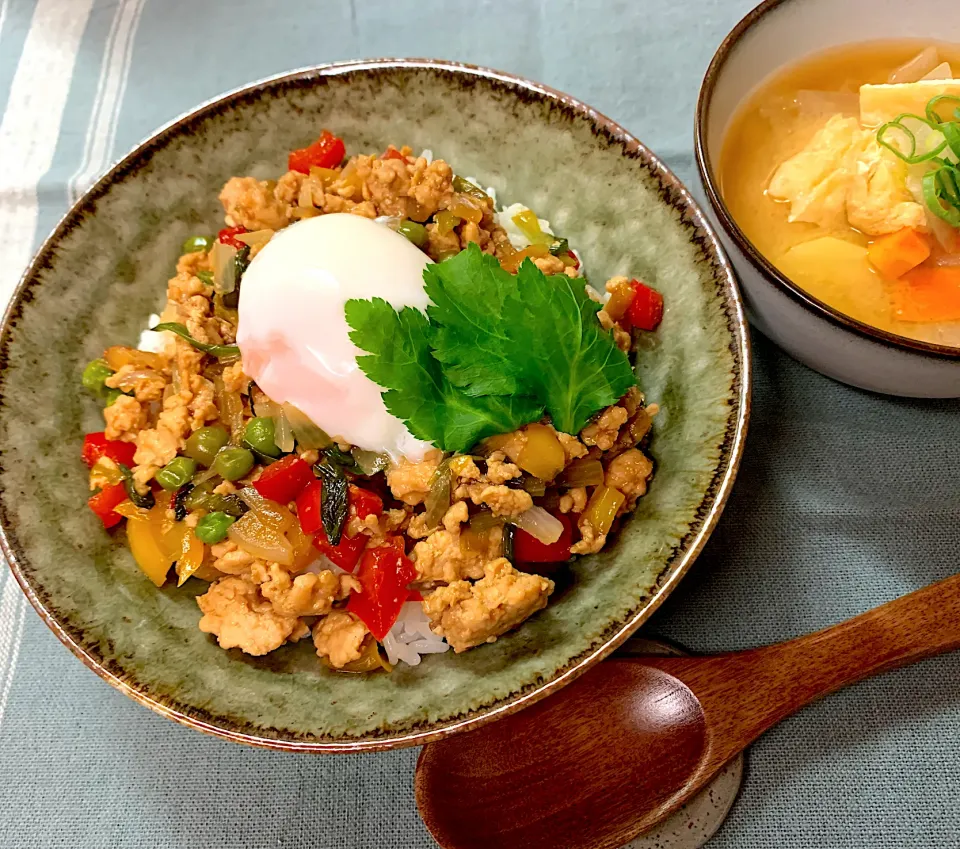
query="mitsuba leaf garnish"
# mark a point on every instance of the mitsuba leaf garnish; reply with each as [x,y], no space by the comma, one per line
[494,352]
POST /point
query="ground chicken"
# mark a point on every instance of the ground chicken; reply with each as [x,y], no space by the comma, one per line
[202,407]
[410,482]
[146,384]
[500,470]
[234,612]
[252,203]
[621,338]
[229,559]
[444,556]
[549,264]
[502,500]
[574,500]
[456,516]
[440,245]
[629,472]
[234,380]
[591,542]
[470,614]
[339,638]
[310,594]
[125,419]
[158,446]
[573,448]
[604,431]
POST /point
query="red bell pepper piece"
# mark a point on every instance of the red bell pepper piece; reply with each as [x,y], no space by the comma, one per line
[308,508]
[228,236]
[364,503]
[383,574]
[326,152]
[345,553]
[103,502]
[284,480]
[96,445]
[528,549]
[393,153]
[646,309]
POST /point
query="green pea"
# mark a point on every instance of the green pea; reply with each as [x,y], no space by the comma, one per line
[233,463]
[112,395]
[416,233]
[176,473]
[212,528]
[259,435]
[204,444]
[196,243]
[95,375]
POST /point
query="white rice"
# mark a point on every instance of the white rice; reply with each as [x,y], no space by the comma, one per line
[155,343]
[410,637]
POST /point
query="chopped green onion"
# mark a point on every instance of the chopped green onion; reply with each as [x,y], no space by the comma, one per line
[221,352]
[206,277]
[941,183]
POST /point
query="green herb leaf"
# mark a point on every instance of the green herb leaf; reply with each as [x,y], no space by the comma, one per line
[334,503]
[145,502]
[496,351]
[418,391]
[569,361]
[497,333]
[474,307]
[222,352]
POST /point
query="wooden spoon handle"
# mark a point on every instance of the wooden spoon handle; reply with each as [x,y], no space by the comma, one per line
[745,693]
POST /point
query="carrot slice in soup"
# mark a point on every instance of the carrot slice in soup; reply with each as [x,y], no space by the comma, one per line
[897,253]
[928,294]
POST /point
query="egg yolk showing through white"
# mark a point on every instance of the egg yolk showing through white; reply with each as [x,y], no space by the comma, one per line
[293,335]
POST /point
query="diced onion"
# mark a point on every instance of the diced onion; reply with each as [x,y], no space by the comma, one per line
[308,435]
[224,268]
[370,462]
[273,515]
[583,473]
[254,537]
[540,524]
[257,238]
[283,433]
[917,68]
[230,405]
[438,498]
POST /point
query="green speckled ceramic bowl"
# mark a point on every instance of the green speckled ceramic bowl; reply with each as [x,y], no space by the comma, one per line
[104,270]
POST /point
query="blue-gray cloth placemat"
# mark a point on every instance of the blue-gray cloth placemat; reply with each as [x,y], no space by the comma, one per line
[845,499]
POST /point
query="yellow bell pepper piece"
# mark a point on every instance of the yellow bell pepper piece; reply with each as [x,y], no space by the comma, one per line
[542,454]
[602,508]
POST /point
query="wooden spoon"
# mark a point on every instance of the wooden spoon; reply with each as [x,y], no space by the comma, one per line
[630,741]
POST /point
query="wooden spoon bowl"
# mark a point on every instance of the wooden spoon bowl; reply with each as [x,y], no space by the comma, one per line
[627,744]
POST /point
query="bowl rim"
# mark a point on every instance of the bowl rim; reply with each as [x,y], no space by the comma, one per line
[722,485]
[729,225]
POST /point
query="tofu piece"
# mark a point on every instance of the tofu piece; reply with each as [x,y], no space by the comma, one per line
[882,103]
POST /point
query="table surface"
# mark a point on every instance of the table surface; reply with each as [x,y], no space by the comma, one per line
[844,500]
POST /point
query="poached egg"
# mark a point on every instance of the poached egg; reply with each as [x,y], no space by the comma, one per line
[293,335]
